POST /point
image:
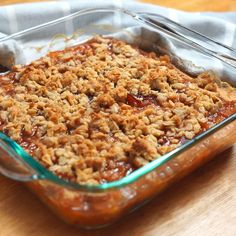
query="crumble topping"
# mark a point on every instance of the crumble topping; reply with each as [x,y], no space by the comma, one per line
[95,112]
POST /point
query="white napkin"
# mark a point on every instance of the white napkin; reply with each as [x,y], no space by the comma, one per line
[14,18]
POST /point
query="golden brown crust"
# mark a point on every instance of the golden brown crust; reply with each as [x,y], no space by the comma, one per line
[95,112]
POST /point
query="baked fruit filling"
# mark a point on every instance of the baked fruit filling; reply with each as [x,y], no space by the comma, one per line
[95,112]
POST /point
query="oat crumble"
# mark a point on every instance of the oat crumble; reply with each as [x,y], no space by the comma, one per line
[95,112]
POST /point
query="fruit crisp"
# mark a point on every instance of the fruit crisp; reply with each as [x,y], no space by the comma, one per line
[95,112]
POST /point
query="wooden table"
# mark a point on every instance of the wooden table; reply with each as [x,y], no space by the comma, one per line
[203,204]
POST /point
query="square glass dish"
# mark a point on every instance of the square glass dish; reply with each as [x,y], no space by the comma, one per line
[92,206]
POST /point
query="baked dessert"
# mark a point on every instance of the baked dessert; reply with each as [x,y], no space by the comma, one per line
[95,112]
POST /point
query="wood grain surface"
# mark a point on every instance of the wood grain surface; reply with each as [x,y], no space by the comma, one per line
[197,5]
[203,204]
[8,2]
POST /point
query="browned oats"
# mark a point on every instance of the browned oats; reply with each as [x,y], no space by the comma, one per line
[95,112]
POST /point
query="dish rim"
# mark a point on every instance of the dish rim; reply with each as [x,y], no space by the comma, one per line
[41,173]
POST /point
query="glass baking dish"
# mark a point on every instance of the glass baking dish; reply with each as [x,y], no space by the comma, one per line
[92,206]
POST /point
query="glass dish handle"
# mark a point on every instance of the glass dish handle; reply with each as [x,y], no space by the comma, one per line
[219,49]
[12,164]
